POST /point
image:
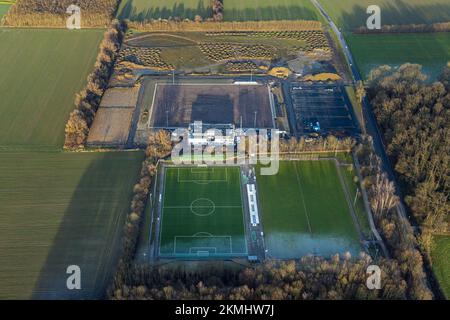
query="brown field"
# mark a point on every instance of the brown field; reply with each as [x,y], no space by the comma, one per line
[111,127]
[180,105]
[120,97]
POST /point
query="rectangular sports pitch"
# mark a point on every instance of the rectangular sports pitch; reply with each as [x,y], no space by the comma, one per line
[178,105]
[202,214]
[305,211]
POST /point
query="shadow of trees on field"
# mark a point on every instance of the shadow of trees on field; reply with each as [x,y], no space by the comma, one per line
[90,232]
[373,50]
[397,12]
[276,12]
[203,9]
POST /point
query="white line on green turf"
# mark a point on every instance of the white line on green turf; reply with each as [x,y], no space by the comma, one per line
[303,198]
[188,207]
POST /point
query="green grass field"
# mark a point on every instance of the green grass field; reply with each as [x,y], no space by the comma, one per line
[441,262]
[42,70]
[432,50]
[351,14]
[202,214]
[61,209]
[4,7]
[141,10]
[238,10]
[304,211]
[349,175]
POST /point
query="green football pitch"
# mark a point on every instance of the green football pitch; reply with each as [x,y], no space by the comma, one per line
[305,211]
[202,214]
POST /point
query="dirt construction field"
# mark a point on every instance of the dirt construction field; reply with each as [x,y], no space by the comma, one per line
[111,126]
[113,120]
[180,105]
[120,97]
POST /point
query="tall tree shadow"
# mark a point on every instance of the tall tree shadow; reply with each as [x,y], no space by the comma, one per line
[275,12]
[396,12]
[90,233]
[178,9]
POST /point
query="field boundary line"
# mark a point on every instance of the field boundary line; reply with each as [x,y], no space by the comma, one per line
[161,204]
[201,170]
[244,225]
[201,181]
[187,207]
[206,236]
[272,105]
[210,84]
[349,201]
[150,114]
[303,198]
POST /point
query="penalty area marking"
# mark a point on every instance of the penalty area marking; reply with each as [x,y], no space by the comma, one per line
[204,235]
[202,170]
[200,181]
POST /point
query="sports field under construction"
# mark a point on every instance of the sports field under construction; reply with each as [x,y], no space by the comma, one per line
[243,105]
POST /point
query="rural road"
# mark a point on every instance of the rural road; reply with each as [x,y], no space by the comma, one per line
[369,118]
[372,126]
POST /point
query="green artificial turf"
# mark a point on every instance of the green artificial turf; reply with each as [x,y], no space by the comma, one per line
[202,213]
[304,211]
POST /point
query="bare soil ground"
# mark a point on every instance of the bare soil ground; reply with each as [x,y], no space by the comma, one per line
[111,127]
[120,97]
[179,105]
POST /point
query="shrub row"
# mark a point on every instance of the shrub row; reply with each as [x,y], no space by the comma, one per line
[88,100]
[209,26]
[159,147]
[148,57]
[228,51]
[409,28]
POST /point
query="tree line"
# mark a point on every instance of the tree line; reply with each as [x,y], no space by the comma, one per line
[217,6]
[159,147]
[328,143]
[88,100]
[408,28]
[219,26]
[341,277]
[53,13]
[414,117]
[396,231]
[309,278]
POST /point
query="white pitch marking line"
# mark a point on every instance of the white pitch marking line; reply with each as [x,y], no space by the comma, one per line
[303,198]
[188,207]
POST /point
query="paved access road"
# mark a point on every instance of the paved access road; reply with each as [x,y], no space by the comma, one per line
[369,118]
